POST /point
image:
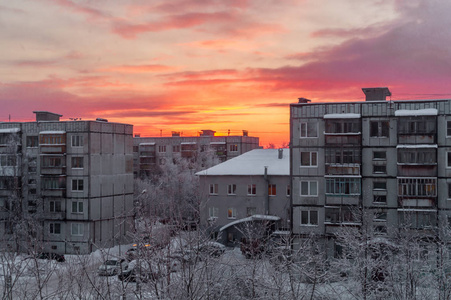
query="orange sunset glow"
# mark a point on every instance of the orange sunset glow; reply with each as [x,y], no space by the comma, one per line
[188,65]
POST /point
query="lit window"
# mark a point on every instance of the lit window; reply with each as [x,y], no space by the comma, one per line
[272,190]
[233,148]
[231,213]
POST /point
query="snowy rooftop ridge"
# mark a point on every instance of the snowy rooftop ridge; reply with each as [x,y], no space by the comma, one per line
[253,163]
[342,116]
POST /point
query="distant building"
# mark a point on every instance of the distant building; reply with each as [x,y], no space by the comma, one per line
[390,160]
[74,179]
[151,152]
[252,187]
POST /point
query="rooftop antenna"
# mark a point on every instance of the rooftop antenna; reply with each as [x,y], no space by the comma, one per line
[161,132]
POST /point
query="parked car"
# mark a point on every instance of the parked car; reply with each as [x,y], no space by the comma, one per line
[112,267]
[214,249]
[50,255]
[141,270]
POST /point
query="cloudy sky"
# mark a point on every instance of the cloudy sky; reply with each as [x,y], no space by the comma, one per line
[188,65]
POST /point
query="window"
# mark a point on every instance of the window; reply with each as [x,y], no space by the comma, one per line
[449,192]
[231,189]
[176,148]
[380,169]
[448,161]
[309,159]
[77,184]
[250,211]
[53,183]
[308,129]
[136,149]
[343,126]
[341,186]
[342,156]
[77,162]
[288,190]
[309,188]
[272,190]
[213,189]
[309,217]
[379,128]
[32,141]
[52,139]
[233,148]
[55,206]
[162,149]
[448,128]
[417,125]
[417,156]
[77,229]
[379,185]
[77,207]
[252,189]
[380,199]
[379,155]
[418,219]
[8,160]
[422,186]
[52,161]
[77,141]
[213,212]
[231,213]
[55,228]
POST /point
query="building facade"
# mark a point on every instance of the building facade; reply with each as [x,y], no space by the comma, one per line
[253,187]
[69,182]
[151,152]
[385,164]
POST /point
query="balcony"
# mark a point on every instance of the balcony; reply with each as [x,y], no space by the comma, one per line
[342,169]
[54,192]
[60,215]
[352,139]
[53,170]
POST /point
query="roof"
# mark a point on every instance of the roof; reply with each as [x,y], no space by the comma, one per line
[251,218]
[253,163]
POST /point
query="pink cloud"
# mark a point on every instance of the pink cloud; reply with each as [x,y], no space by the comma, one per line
[139,69]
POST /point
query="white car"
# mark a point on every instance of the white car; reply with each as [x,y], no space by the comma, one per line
[112,267]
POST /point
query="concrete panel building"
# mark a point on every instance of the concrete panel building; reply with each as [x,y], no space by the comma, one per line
[253,187]
[151,152]
[383,163]
[72,179]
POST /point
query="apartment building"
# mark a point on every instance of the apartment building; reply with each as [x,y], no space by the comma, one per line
[69,182]
[253,187]
[151,152]
[382,163]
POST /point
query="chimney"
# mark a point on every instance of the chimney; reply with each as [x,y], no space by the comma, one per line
[137,135]
[245,133]
[46,116]
[304,100]
[280,153]
[376,94]
[175,133]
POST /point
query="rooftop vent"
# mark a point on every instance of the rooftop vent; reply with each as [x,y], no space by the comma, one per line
[376,94]
[101,120]
[175,133]
[245,133]
[208,132]
[304,100]
[280,153]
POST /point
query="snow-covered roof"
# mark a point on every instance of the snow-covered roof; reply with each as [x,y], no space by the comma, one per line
[9,130]
[253,163]
[52,132]
[418,146]
[251,218]
[188,143]
[342,116]
[147,144]
[416,112]
[217,143]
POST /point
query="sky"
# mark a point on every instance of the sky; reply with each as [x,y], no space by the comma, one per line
[189,65]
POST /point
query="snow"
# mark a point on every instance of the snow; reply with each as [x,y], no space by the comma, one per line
[9,130]
[416,210]
[52,132]
[342,133]
[253,163]
[417,112]
[251,218]
[342,116]
[417,146]
[147,144]
[217,143]
[188,143]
